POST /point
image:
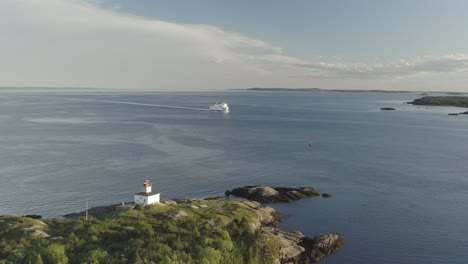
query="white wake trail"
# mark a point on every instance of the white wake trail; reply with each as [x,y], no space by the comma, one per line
[130,103]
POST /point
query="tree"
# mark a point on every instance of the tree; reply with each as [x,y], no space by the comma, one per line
[55,253]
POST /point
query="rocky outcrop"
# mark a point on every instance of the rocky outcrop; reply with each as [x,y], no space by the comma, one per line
[322,246]
[33,216]
[299,249]
[267,216]
[266,194]
[36,230]
[387,108]
[295,247]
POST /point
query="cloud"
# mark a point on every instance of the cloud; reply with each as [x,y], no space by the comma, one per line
[420,66]
[79,43]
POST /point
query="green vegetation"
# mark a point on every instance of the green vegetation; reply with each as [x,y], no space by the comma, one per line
[460,101]
[216,232]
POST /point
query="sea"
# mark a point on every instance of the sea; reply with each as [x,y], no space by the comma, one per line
[399,179]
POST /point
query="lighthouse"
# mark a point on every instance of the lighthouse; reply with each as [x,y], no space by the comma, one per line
[146,196]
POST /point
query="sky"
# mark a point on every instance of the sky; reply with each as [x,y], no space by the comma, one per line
[419,45]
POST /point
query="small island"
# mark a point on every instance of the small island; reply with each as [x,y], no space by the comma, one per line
[458,101]
[189,230]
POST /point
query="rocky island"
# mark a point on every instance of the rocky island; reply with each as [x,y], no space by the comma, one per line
[211,230]
[267,194]
[459,101]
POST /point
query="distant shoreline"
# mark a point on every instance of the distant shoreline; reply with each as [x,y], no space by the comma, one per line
[100,89]
[319,89]
[342,90]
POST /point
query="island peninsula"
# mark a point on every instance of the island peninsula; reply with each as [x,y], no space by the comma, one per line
[211,230]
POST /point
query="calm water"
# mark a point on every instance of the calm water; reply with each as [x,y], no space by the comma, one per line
[399,178]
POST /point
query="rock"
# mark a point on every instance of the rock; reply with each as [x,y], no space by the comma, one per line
[203,205]
[170,202]
[263,191]
[194,206]
[464,113]
[387,108]
[214,198]
[320,247]
[33,216]
[180,214]
[291,250]
[297,248]
[211,222]
[40,233]
[32,228]
[266,194]
[267,216]
[34,231]
[453,114]
[326,195]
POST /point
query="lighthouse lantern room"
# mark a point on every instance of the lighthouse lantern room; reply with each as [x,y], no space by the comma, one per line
[146,196]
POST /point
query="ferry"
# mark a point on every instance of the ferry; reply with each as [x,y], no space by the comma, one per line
[219,107]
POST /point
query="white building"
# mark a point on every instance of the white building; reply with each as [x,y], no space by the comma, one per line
[146,196]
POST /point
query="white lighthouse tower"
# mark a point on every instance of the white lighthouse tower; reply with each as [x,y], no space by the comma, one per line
[146,196]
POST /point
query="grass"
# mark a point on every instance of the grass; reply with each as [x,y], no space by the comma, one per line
[221,232]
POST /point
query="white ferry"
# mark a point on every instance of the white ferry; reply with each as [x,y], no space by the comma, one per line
[219,107]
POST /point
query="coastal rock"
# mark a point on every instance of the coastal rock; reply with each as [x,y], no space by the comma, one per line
[169,202]
[33,216]
[299,249]
[266,194]
[326,195]
[453,114]
[387,108]
[267,216]
[291,250]
[295,247]
[320,247]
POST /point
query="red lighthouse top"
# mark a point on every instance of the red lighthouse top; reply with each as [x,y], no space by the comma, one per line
[146,183]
